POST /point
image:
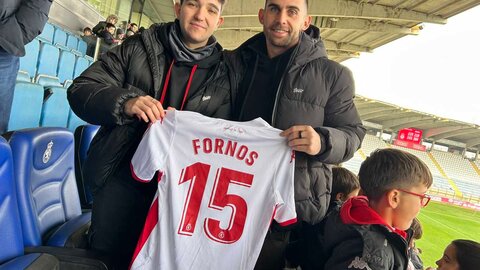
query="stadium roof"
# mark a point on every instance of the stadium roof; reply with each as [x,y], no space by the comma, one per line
[383,116]
[348,27]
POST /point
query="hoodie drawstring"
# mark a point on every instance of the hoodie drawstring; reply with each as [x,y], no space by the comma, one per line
[167,81]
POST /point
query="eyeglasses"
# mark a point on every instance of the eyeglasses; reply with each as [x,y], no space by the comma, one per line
[424,198]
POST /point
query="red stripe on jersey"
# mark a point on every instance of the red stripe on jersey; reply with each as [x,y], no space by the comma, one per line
[135,176]
[150,223]
[288,222]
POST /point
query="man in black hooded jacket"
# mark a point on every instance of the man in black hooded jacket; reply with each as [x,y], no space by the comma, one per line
[177,65]
[287,79]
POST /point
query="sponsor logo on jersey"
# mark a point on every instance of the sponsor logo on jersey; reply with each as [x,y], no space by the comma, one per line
[359,263]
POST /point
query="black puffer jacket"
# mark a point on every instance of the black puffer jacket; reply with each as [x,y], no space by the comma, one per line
[137,68]
[318,92]
[20,22]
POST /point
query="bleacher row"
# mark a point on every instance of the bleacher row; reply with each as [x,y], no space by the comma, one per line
[444,166]
[52,61]
[44,212]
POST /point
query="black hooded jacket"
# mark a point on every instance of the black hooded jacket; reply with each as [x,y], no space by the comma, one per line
[140,67]
[313,91]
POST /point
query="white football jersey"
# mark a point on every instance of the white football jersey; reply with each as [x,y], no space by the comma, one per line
[220,184]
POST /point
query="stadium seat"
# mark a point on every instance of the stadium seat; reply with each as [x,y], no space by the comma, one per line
[48,60]
[72,42]
[74,121]
[60,38]
[47,193]
[55,109]
[66,65]
[11,252]
[28,63]
[47,33]
[82,47]
[46,80]
[22,76]
[81,64]
[83,136]
[23,116]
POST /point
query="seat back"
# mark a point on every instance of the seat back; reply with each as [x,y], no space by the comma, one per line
[10,227]
[55,109]
[47,33]
[60,38]
[43,160]
[66,65]
[82,47]
[22,116]
[83,136]
[74,121]
[48,60]
[28,63]
[81,64]
[72,42]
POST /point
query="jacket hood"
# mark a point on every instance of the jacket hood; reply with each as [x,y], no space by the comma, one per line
[310,46]
[357,211]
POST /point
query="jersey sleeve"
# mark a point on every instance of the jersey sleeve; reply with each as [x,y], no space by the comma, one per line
[153,149]
[284,194]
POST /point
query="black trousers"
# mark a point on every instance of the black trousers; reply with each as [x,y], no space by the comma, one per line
[272,256]
[119,210]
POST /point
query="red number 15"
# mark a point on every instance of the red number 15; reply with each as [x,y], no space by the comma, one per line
[197,175]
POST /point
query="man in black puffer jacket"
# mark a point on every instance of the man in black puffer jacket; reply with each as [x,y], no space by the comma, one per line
[288,80]
[177,65]
[20,22]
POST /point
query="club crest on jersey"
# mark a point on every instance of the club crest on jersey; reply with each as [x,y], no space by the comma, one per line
[48,152]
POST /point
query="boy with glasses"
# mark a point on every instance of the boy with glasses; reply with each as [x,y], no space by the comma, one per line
[369,232]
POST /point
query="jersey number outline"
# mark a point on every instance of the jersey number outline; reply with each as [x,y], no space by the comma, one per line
[197,174]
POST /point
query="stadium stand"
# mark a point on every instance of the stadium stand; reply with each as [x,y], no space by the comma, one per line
[370,143]
[26,106]
[66,66]
[60,38]
[456,166]
[12,254]
[47,33]
[72,42]
[47,193]
[82,47]
[48,60]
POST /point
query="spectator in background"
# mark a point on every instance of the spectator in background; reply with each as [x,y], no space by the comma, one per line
[460,255]
[20,22]
[87,31]
[416,262]
[108,35]
[120,35]
[368,232]
[132,29]
[98,29]
[345,185]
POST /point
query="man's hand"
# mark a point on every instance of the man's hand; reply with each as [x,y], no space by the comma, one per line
[304,139]
[145,108]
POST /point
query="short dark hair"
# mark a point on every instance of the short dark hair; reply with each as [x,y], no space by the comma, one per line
[389,168]
[108,25]
[343,181]
[222,2]
[306,3]
[468,254]
[417,231]
[87,29]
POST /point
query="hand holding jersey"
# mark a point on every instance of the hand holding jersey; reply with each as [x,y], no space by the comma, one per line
[303,138]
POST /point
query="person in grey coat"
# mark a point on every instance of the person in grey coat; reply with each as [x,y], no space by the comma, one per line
[20,22]
[287,79]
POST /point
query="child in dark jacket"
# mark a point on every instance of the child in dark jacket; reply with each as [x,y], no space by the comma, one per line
[345,185]
[368,232]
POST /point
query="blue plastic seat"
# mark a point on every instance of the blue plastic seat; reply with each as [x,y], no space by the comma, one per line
[74,121]
[47,33]
[72,41]
[28,63]
[60,38]
[83,137]
[81,64]
[82,47]
[47,193]
[48,60]
[22,76]
[55,109]
[11,252]
[46,81]
[66,66]
[23,116]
